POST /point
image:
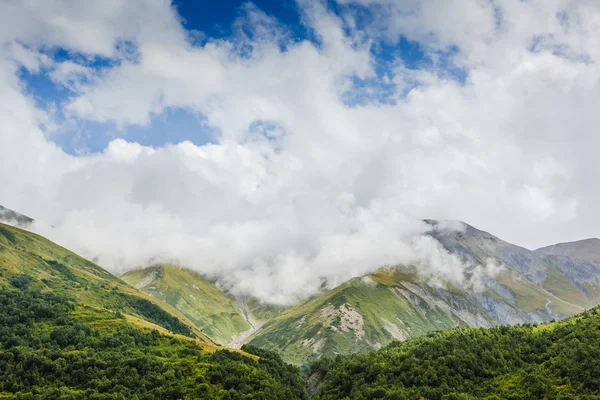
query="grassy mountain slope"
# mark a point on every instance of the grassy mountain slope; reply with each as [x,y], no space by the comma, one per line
[212,311]
[55,268]
[370,312]
[559,360]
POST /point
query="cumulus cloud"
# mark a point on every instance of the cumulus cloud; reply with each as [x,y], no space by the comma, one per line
[302,185]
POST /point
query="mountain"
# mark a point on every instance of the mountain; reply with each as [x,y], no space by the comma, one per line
[572,280]
[363,314]
[13,217]
[212,311]
[585,250]
[557,360]
[30,257]
[370,312]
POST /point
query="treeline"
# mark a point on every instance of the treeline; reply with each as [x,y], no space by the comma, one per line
[551,361]
[51,349]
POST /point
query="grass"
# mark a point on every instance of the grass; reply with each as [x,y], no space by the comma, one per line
[557,284]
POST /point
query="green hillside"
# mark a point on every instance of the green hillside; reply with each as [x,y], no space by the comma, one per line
[55,268]
[559,360]
[212,311]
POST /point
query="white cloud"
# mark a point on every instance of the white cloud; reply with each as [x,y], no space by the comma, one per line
[338,190]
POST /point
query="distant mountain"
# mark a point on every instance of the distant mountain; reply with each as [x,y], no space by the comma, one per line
[360,315]
[585,250]
[572,280]
[13,217]
[370,312]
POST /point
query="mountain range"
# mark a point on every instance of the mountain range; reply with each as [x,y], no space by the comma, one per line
[363,314]
[394,303]
[156,332]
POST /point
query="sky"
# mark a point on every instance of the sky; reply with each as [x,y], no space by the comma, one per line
[281,144]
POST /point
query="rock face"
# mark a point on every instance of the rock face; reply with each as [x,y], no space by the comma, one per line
[567,271]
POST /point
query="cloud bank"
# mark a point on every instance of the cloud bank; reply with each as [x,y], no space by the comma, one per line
[325,156]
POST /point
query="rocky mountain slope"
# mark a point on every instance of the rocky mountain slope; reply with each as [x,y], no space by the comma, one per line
[370,312]
[572,280]
[556,360]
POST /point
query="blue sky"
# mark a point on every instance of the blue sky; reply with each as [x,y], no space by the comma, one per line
[214,20]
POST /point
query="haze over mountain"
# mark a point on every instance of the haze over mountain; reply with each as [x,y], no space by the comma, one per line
[369,312]
[462,277]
